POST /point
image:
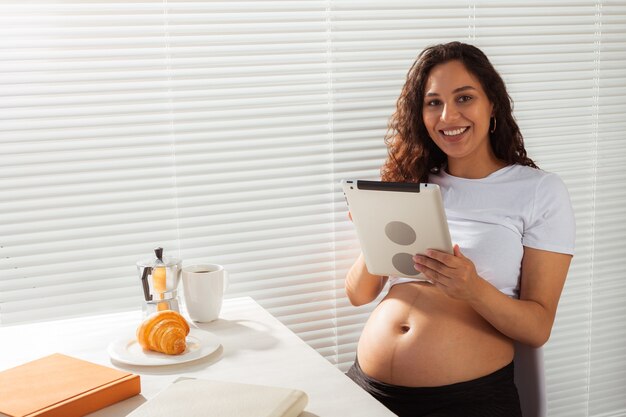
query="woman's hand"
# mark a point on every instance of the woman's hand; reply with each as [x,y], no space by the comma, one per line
[454,274]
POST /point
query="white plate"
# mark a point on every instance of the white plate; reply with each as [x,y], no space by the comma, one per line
[200,343]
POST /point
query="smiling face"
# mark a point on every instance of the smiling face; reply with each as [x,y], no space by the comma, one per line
[456,113]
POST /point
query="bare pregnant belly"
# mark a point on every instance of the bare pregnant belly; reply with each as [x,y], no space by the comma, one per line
[419,337]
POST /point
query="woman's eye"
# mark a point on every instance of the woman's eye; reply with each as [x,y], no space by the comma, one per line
[464,99]
[432,103]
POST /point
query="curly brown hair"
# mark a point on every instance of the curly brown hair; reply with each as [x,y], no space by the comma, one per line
[412,154]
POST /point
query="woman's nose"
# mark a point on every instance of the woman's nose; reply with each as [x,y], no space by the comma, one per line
[449,113]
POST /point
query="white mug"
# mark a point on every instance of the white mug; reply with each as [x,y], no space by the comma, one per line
[204,286]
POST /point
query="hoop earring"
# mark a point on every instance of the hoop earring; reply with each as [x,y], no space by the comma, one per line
[495,123]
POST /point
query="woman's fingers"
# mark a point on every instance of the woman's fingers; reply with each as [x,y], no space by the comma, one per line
[434,276]
[432,264]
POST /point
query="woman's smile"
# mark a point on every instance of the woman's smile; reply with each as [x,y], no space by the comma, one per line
[454,134]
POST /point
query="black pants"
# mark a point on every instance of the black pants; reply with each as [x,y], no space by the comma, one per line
[494,395]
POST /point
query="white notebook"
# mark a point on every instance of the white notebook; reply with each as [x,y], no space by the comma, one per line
[202,398]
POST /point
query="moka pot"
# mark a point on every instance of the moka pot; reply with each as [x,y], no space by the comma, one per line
[159,279]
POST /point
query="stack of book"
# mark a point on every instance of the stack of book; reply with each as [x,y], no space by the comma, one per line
[62,386]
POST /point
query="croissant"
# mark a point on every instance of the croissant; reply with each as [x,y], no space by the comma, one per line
[164,331]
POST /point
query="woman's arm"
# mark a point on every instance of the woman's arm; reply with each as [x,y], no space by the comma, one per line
[528,320]
[361,286]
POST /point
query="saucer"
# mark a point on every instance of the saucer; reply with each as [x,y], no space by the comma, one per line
[200,343]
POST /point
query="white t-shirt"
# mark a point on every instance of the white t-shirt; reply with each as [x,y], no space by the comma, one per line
[493,218]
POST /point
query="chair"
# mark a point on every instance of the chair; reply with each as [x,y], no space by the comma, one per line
[530,380]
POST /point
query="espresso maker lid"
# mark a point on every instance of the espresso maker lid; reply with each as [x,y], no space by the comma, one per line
[159,260]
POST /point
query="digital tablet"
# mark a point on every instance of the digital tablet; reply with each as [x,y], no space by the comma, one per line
[395,221]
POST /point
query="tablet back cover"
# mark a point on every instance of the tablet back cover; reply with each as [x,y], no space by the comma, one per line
[395,221]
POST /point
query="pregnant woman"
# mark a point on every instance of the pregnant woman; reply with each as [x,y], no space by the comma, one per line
[443,345]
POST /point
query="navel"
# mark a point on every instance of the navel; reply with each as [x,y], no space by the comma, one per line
[405,329]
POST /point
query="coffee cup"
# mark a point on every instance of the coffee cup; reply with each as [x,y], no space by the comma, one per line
[203,287]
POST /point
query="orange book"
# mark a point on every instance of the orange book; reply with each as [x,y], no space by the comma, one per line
[62,386]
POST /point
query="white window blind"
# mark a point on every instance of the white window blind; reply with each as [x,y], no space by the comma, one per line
[608,329]
[219,130]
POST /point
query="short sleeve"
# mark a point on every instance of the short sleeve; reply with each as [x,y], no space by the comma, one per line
[551,225]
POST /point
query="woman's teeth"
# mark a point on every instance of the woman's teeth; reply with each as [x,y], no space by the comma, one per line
[454,132]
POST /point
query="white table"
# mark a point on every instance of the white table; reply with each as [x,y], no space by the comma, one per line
[256,348]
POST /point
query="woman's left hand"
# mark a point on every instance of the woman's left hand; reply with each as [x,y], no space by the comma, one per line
[454,274]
